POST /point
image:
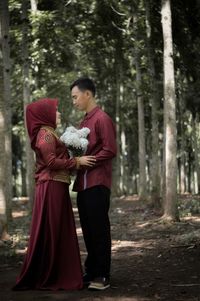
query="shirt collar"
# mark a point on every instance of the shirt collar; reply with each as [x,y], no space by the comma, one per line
[91,113]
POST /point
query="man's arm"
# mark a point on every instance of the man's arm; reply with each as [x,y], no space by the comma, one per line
[107,133]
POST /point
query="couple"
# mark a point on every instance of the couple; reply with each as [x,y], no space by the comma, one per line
[53,259]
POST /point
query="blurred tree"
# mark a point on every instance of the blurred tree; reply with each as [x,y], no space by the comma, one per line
[170,162]
[5,47]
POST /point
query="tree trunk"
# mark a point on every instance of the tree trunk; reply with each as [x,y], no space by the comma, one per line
[141,132]
[124,172]
[154,168]
[196,147]
[118,98]
[182,172]
[23,178]
[26,99]
[34,4]
[5,42]
[170,152]
[2,151]
[142,188]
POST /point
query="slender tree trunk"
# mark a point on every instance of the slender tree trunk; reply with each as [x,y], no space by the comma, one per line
[3,219]
[141,132]
[182,186]
[26,100]
[189,172]
[118,130]
[23,178]
[154,168]
[170,197]
[196,147]
[142,189]
[5,42]
[123,161]
[34,4]
[182,173]
[123,173]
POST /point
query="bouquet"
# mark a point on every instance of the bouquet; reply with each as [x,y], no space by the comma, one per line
[75,140]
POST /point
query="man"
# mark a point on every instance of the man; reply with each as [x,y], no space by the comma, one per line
[93,185]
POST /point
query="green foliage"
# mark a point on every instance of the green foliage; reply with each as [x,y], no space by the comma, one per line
[189,207]
[69,39]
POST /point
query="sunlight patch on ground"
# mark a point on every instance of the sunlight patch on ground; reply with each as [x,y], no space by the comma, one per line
[21,251]
[60,296]
[145,224]
[118,244]
[195,219]
[21,213]
[120,298]
[129,198]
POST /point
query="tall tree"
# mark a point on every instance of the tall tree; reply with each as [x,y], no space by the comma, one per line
[196,149]
[141,135]
[155,160]
[2,149]
[170,133]
[26,98]
[5,42]
[34,5]
[141,123]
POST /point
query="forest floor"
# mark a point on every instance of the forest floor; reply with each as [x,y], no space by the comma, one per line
[151,260]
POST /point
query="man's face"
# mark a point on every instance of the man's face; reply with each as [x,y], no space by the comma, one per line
[80,98]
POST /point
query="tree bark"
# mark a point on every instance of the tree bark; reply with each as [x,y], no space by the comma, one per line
[142,187]
[196,147]
[5,43]
[118,188]
[154,168]
[141,132]
[182,172]
[141,139]
[26,99]
[34,4]
[3,219]
[170,133]
[124,172]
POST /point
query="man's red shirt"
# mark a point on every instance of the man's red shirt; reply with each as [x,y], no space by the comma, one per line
[102,145]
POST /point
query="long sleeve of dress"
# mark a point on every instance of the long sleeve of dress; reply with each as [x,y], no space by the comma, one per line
[54,161]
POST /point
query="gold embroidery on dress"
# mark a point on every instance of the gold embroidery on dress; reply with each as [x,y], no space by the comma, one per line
[48,137]
[62,176]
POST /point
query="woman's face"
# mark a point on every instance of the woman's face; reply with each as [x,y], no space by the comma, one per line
[58,118]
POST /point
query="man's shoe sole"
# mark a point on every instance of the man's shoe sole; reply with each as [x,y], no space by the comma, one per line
[96,287]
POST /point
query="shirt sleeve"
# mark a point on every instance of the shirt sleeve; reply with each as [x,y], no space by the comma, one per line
[107,134]
[47,147]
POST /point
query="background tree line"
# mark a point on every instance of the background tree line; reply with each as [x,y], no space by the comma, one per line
[143,57]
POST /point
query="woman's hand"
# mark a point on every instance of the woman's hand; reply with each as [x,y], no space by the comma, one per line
[87,161]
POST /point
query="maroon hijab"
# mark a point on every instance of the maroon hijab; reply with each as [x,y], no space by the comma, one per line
[38,114]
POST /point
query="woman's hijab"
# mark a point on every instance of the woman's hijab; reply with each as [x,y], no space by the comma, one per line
[40,113]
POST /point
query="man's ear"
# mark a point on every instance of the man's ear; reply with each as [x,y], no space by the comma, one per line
[88,93]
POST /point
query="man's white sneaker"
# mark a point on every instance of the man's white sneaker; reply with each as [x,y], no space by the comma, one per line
[99,284]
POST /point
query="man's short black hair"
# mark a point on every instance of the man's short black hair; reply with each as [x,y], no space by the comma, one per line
[84,83]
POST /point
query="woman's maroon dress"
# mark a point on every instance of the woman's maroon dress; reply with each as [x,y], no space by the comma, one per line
[53,259]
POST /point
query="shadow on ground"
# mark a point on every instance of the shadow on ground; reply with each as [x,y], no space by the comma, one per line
[151,260]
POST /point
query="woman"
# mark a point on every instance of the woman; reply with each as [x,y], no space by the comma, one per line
[52,260]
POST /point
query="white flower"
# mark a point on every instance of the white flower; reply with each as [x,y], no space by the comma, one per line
[75,140]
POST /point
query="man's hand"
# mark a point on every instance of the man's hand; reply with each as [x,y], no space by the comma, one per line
[87,161]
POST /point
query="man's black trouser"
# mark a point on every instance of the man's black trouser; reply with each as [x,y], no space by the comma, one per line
[93,205]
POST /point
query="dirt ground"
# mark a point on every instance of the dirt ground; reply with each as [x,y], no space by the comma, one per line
[151,260]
